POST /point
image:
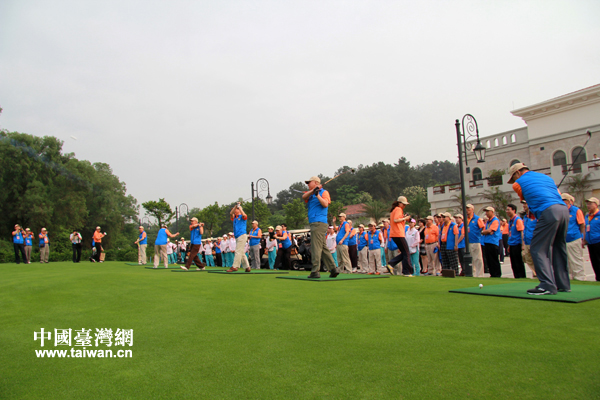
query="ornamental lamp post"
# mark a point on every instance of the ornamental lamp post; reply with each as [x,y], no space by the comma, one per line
[261,185]
[177,212]
[470,130]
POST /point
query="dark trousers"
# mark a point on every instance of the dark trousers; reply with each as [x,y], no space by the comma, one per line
[194,250]
[549,248]
[490,255]
[461,259]
[19,248]
[449,258]
[353,253]
[501,250]
[283,257]
[516,260]
[505,244]
[403,256]
[76,252]
[98,251]
[218,260]
[594,250]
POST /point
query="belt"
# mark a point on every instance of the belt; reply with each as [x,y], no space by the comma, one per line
[427,244]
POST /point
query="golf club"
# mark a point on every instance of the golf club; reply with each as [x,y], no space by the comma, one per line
[576,158]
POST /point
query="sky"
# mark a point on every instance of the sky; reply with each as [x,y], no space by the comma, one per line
[192,101]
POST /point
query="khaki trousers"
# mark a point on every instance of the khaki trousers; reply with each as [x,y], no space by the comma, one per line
[28,253]
[433,260]
[475,250]
[344,259]
[240,254]
[374,260]
[318,248]
[44,253]
[526,254]
[160,251]
[575,257]
[363,259]
[142,253]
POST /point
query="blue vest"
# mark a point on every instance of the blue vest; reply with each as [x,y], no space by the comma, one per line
[539,191]
[451,239]
[352,240]
[285,243]
[18,238]
[341,233]
[254,241]
[592,229]
[461,244]
[161,237]
[495,237]
[195,236]
[145,241]
[28,241]
[514,236]
[42,242]
[391,245]
[316,211]
[529,228]
[574,231]
[239,226]
[474,230]
[374,242]
[363,241]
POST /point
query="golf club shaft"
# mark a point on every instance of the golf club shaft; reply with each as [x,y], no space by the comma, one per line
[576,158]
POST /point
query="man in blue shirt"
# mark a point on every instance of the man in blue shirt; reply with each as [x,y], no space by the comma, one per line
[196,232]
[255,235]
[318,201]
[549,244]
[19,244]
[239,218]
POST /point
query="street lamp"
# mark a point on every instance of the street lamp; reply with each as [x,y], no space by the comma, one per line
[470,130]
[147,221]
[187,210]
[261,185]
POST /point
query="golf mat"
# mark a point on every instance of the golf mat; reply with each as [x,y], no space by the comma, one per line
[254,272]
[578,294]
[191,270]
[341,277]
[161,267]
[134,264]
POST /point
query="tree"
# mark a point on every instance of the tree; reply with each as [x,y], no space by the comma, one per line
[295,214]
[376,210]
[161,210]
[295,191]
[261,213]
[458,200]
[335,208]
[577,186]
[212,216]
[498,199]
[419,206]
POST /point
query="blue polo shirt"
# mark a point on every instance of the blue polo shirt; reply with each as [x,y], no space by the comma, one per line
[195,236]
[341,233]
[592,228]
[530,222]
[539,191]
[363,240]
[573,231]
[514,234]
[18,238]
[495,237]
[254,241]
[239,225]
[316,211]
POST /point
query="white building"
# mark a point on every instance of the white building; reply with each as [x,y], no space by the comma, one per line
[554,135]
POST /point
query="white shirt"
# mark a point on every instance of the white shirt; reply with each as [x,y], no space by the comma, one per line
[208,248]
[413,239]
[224,246]
[331,243]
[232,245]
[272,244]
[170,247]
[75,238]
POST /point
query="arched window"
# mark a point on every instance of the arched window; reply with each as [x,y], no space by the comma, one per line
[477,175]
[578,156]
[504,141]
[513,162]
[496,142]
[560,158]
[513,138]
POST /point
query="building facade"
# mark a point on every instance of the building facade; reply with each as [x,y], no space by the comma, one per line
[551,143]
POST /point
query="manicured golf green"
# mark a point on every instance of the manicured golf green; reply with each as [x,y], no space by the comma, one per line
[208,337]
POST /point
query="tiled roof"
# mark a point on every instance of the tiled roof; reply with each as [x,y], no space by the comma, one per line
[355,209]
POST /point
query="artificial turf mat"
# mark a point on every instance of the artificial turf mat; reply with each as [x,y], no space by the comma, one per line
[191,270]
[253,272]
[276,339]
[340,277]
[159,267]
[578,293]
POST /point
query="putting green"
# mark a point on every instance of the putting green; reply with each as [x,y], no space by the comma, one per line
[578,294]
[253,272]
[341,277]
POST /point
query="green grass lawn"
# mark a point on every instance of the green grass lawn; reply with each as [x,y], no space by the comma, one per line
[202,335]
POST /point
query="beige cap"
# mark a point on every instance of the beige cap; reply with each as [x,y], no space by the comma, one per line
[98,228]
[255,222]
[224,236]
[567,196]
[403,200]
[361,226]
[181,239]
[271,227]
[194,219]
[278,228]
[459,216]
[380,226]
[592,200]
[489,208]
[523,202]
[470,206]
[513,169]
[429,217]
[230,233]
[313,178]
[447,214]
[342,215]
[371,224]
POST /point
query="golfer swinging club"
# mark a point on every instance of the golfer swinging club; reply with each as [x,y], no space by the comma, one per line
[318,201]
